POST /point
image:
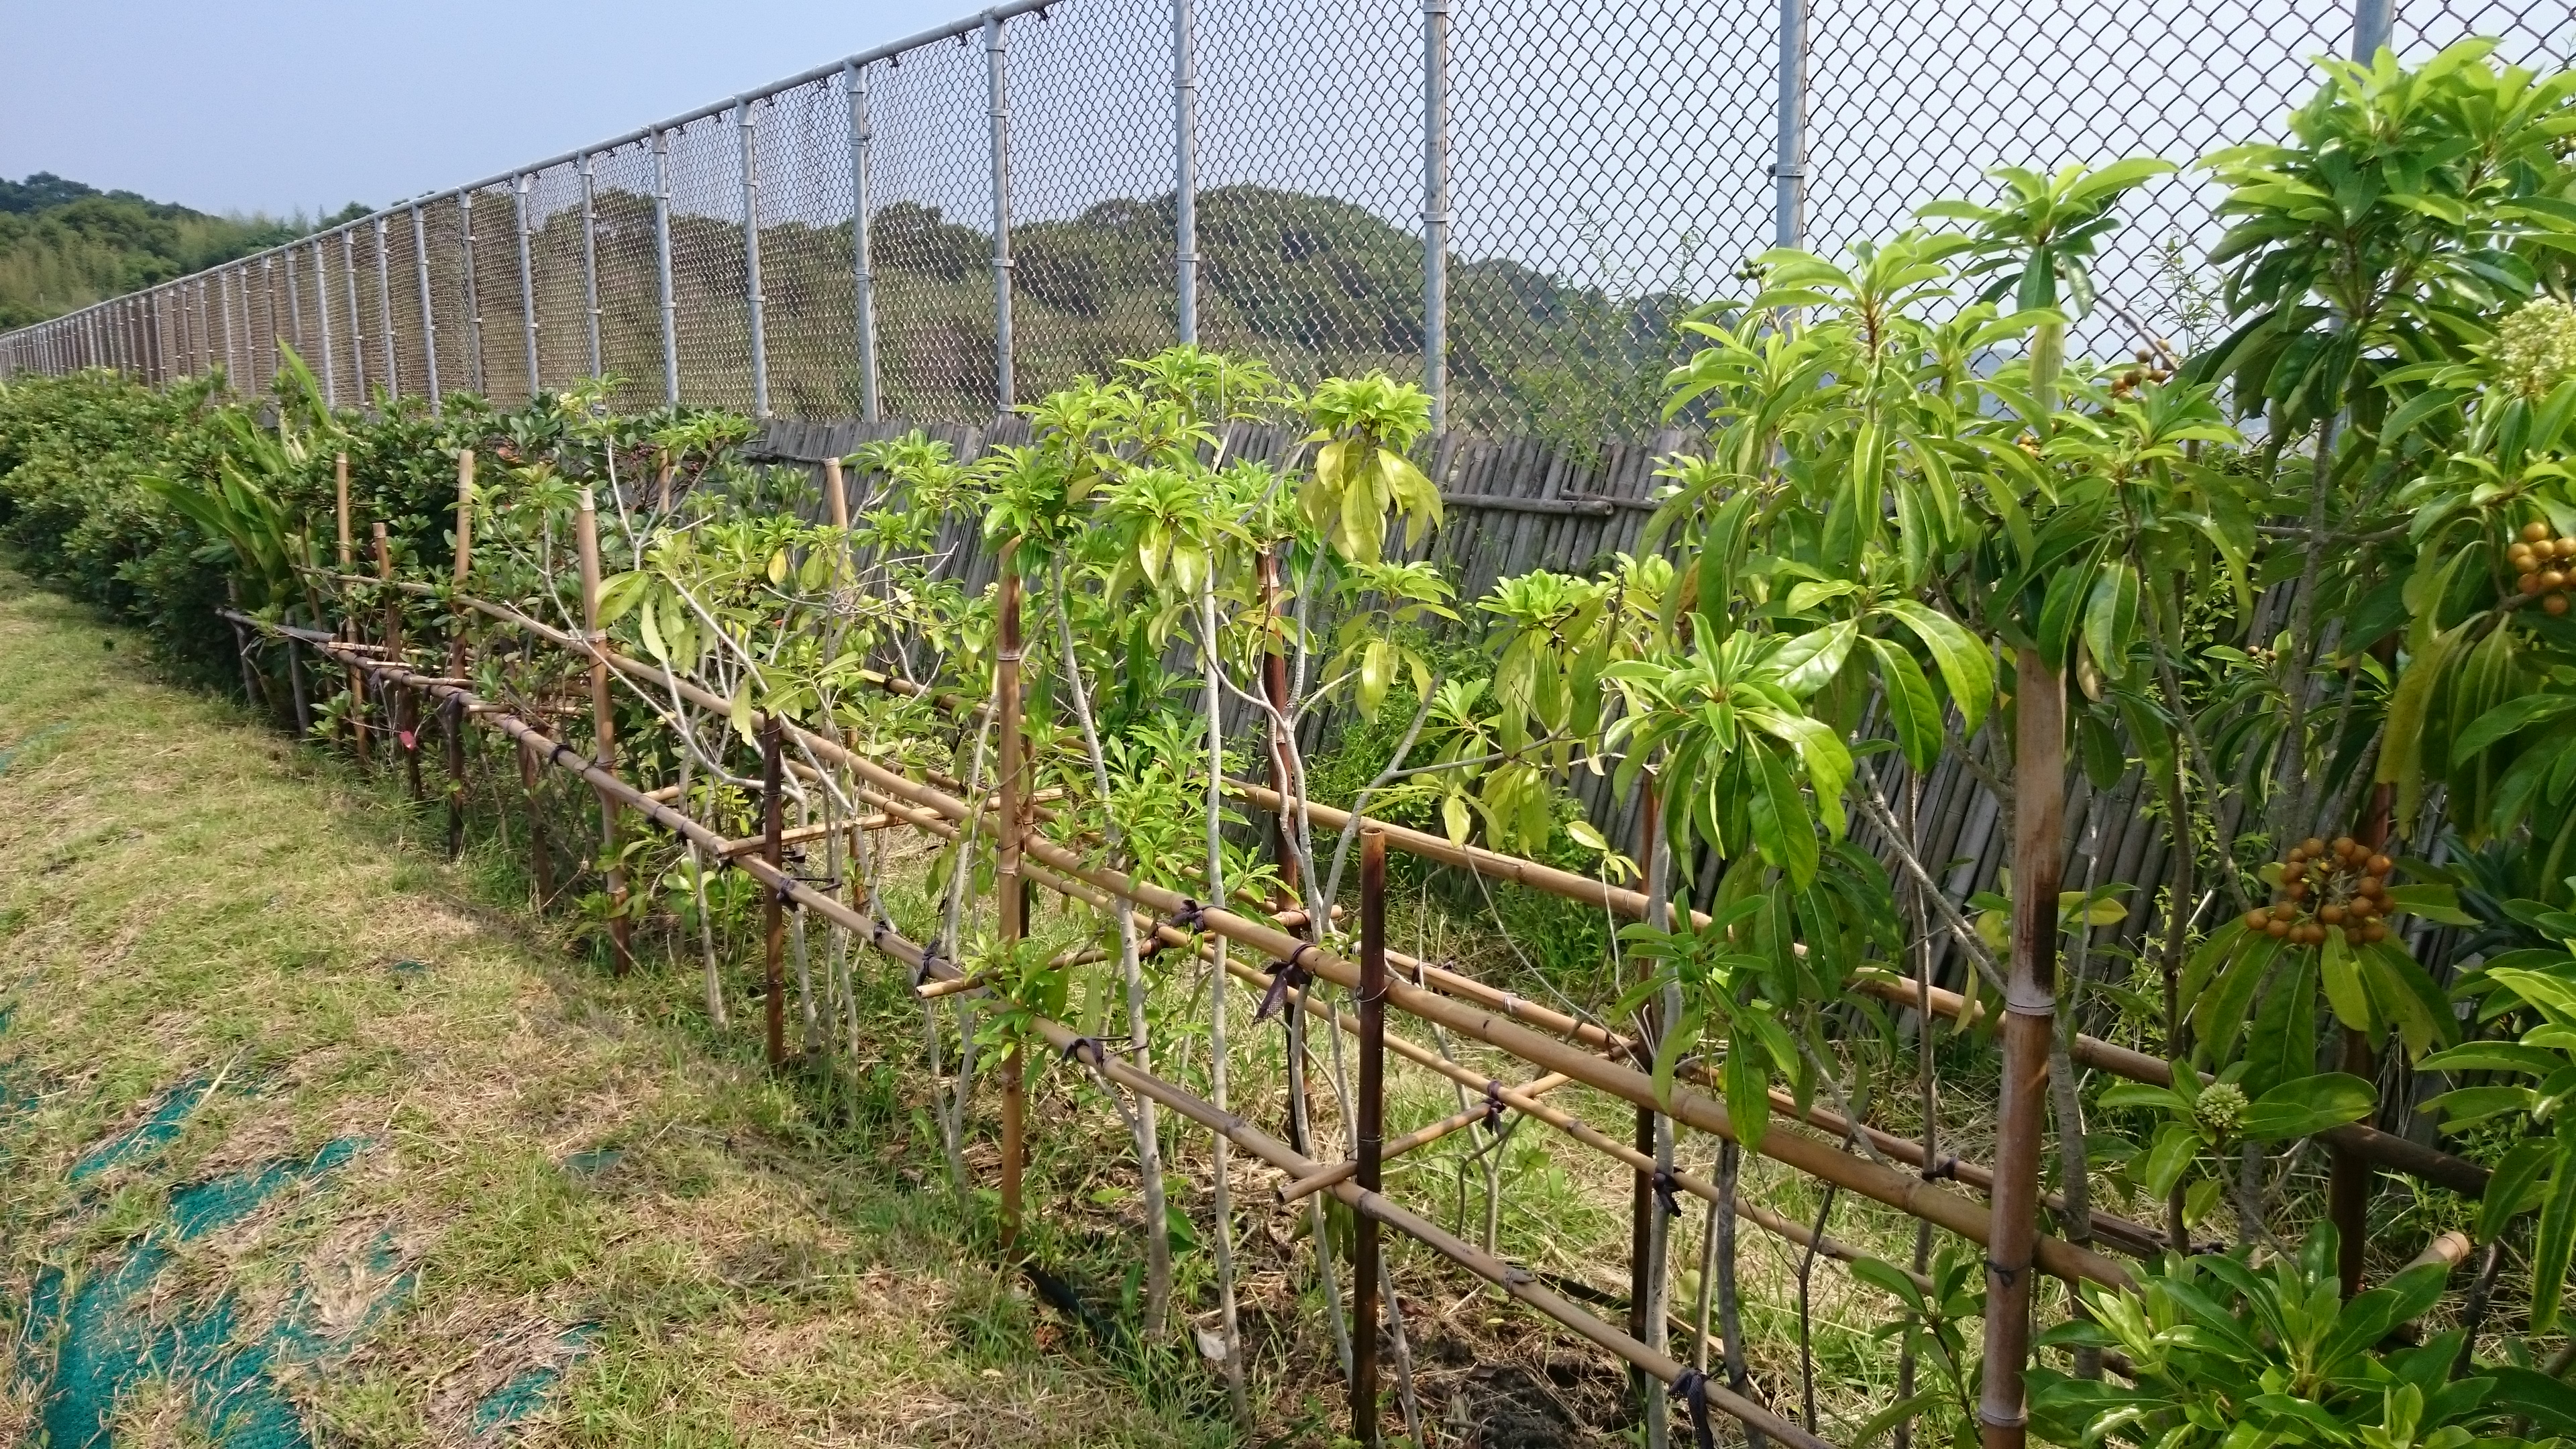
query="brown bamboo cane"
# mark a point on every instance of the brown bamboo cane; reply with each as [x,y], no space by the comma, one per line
[2348,1175]
[2030,1008]
[1516,1282]
[603,727]
[458,621]
[401,710]
[356,723]
[1010,889]
[773,853]
[1641,1186]
[1372,1133]
[2385,1149]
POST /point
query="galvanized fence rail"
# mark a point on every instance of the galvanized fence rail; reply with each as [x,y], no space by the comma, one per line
[1511,200]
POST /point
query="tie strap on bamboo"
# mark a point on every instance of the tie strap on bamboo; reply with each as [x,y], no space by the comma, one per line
[1517,1282]
[909,797]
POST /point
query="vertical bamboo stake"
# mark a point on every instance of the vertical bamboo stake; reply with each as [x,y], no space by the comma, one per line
[2030,1007]
[457,617]
[541,861]
[1011,901]
[1372,1133]
[348,562]
[1229,1325]
[401,707]
[603,728]
[2348,1179]
[773,819]
[1641,1188]
[1274,688]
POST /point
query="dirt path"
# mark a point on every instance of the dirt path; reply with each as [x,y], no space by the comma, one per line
[305,1139]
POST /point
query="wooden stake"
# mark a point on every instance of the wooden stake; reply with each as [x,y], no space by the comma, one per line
[603,728]
[357,721]
[1011,889]
[458,616]
[1641,1187]
[541,861]
[1372,1133]
[1274,689]
[2030,1010]
[400,712]
[773,850]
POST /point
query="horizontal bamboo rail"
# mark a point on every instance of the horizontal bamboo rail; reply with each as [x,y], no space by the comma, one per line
[1517,1282]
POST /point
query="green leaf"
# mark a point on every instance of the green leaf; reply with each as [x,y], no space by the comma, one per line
[2550,1403]
[2111,618]
[2507,718]
[1911,706]
[1747,1079]
[2341,976]
[1810,661]
[1965,665]
[2436,903]
[1782,829]
[2555,1242]
[2514,1188]
[739,711]
[2176,1144]
[2309,1105]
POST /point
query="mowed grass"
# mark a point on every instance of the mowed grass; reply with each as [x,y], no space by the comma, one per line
[188,897]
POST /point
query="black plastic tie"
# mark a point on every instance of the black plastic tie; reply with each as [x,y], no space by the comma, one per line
[1285,976]
[1691,1389]
[1493,1106]
[1666,1185]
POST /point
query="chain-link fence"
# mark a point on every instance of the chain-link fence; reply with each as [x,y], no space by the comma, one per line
[1529,193]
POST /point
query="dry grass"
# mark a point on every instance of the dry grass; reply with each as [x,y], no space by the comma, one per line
[186,896]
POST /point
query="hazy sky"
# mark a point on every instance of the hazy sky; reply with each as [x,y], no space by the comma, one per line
[277,105]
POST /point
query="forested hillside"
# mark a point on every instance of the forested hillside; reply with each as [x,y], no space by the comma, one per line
[64,245]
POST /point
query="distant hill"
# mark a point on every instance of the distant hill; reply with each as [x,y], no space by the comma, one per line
[64,245]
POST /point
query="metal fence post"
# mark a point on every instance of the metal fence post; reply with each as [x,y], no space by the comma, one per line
[998,89]
[527,280]
[662,267]
[590,256]
[1789,166]
[473,303]
[385,313]
[1185,166]
[428,316]
[357,329]
[224,300]
[751,256]
[268,284]
[294,308]
[863,275]
[2374,25]
[322,320]
[1435,210]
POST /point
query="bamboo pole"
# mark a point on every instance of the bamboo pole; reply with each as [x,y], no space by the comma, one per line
[1516,1282]
[357,721]
[2030,1007]
[1372,1132]
[400,708]
[458,617]
[1641,1185]
[773,816]
[603,726]
[1010,890]
[2385,1149]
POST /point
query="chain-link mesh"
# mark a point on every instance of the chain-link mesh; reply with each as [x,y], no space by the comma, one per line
[1600,187]
[709,279]
[1608,167]
[929,233]
[807,272]
[1310,185]
[1093,261]
[630,288]
[555,276]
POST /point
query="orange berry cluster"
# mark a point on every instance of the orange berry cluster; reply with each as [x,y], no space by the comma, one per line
[2340,887]
[2145,372]
[2543,566]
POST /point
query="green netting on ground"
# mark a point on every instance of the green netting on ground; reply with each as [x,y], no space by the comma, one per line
[95,1337]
